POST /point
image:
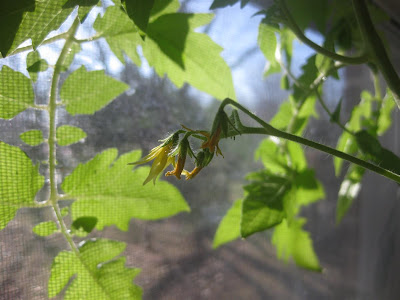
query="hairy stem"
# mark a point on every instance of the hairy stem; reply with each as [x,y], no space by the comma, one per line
[376,49]
[269,130]
[52,107]
[300,35]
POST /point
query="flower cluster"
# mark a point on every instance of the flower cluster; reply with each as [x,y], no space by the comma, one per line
[173,151]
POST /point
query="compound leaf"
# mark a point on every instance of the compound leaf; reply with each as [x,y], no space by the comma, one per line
[86,92]
[32,137]
[291,240]
[99,274]
[16,93]
[19,182]
[67,135]
[109,190]
[229,227]
[173,48]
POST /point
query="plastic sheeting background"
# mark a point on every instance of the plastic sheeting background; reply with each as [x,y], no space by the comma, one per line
[360,256]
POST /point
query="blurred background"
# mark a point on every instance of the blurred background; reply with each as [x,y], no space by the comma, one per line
[360,257]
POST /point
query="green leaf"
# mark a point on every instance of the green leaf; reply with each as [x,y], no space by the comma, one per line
[109,190]
[271,156]
[336,114]
[229,227]
[75,48]
[45,228]
[297,157]
[267,43]
[291,240]
[173,48]
[224,3]
[19,182]
[139,11]
[67,135]
[285,84]
[307,78]
[85,223]
[85,6]
[32,137]
[16,93]
[34,64]
[37,20]
[163,7]
[96,272]
[385,120]
[309,11]
[349,190]
[65,211]
[120,33]
[86,92]
[263,205]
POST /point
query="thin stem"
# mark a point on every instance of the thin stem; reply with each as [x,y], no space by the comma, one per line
[269,130]
[376,49]
[356,60]
[45,42]
[52,107]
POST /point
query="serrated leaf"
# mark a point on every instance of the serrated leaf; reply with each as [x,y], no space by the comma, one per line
[263,204]
[67,135]
[271,156]
[267,42]
[74,49]
[38,19]
[385,120]
[45,228]
[349,190]
[229,227]
[35,64]
[310,73]
[19,182]
[291,240]
[16,93]
[224,3]
[109,190]
[32,137]
[86,92]
[96,274]
[162,7]
[139,12]
[173,48]
[85,6]
[120,33]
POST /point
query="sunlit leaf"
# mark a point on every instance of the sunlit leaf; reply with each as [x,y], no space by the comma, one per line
[75,48]
[267,43]
[224,3]
[162,7]
[67,135]
[85,6]
[120,33]
[139,12]
[35,64]
[96,274]
[385,120]
[38,19]
[229,227]
[349,190]
[32,137]
[86,92]
[174,49]
[291,240]
[111,191]
[19,182]
[16,93]
[45,228]
[271,156]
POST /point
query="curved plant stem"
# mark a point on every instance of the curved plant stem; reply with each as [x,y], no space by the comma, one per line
[269,130]
[376,49]
[52,107]
[356,60]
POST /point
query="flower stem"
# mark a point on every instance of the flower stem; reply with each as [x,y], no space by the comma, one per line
[269,130]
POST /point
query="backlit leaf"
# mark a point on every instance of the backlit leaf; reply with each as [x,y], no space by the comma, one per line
[67,135]
[229,227]
[139,12]
[385,120]
[45,228]
[111,191]
[96,274]
[32,137]
[75,48]
[19,182]
[224,3]
[162,7]
[35,64]
[16,93]
[85,6]
[291,241]
[85,92]
[271,156]
[267,43]
[174,49]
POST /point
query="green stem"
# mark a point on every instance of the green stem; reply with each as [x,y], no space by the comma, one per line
[269,130]
[376,49]
[52,107]
[356,60]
